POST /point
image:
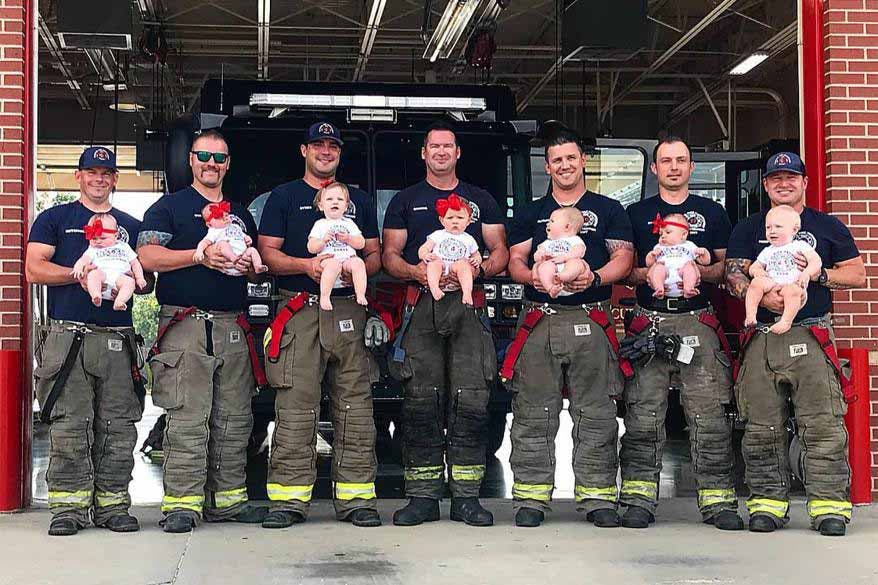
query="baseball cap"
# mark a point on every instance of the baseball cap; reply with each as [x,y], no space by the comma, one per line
[785,162]
[97,156]
[322,130]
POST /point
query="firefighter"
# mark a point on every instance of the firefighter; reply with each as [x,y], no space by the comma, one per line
[444,353]
[569,342]
[799,367]
[87,379]
[705,382]
[202,361]
[308,344]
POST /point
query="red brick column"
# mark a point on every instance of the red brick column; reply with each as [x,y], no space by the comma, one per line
[851,99]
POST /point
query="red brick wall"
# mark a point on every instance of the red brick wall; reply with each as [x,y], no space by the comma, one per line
[851,53]
[12,160]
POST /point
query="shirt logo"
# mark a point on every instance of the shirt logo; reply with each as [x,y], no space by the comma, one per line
[451,249]
[123,234]
[238,222]
[590,222]
[424,208]
[476,212]
[556,247]
[697,223]
[807,237]
[351,212]
[781,263]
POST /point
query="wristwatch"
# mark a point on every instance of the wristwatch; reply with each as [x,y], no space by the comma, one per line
[597,280]
[823,278]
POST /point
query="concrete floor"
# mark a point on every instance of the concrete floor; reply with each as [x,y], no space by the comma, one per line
[677,550]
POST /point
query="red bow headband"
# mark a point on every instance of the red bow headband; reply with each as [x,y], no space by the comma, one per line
[454,203]
[218,210]
[96,230]
[658,223]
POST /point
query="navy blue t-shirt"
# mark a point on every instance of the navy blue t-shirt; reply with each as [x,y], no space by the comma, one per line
[605,219]
[825,233]
[290,214]
[179,214]
[709,227]
[61,227]
[414,209]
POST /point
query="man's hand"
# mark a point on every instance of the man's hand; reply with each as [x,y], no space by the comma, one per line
[802,262]
[375,333]
[315,269]
[582,282]
[244,264]
[83,276]
[537,283]
[773,301]
[214,259]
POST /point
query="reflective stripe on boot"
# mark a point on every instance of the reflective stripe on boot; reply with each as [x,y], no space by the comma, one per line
[354,491]
[829,507]
[776,508]
[174,503]
[423,473]
[77,499]
[537,492]
[229,498]
[644,489]
[582,492]
[283,493]
[468,472]
[712,497]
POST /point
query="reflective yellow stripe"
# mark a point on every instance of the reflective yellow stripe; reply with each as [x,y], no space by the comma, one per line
[423,473]
[78,499]
[353,491]
[171,503]
[284,493]
[595,493]
[646,489]
[229,498]
[107,499]
[711,497]
[526,491]
[835,507]
[468,472]
[777,508]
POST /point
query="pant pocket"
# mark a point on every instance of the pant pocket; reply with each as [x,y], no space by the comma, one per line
[280,371]
[422,426]
[470,417]
[489,353]
[167,369]
[533,439]
[723,373]
[595,443]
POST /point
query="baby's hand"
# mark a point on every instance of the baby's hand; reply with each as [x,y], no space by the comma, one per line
[431,257]
[657,249]
[198,256]
[141,283]
[77,272]
[343,238]
[476,261]
[248,240]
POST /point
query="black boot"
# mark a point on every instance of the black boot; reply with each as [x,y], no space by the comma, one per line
[762,523]
[637,517]
[178,522]
[726,520]
[364,517]
[282,519]
[469,510]
[529,517]
[122,523]
[604,518]
[832,527]
[63,527]
[417,511]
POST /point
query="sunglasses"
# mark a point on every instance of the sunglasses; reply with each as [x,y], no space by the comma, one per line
[204,156]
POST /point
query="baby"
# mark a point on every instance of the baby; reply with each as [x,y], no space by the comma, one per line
[337,235]
[776,268]
[451,249]
[230,239]
[559,258]
[672,261]
[114,262]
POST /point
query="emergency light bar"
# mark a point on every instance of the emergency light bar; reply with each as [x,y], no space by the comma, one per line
[296,100]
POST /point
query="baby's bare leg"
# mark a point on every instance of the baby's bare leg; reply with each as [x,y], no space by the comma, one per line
[464,271]
[255,259]
[572,270]
[792,295]
[690,275]
[226,250]
[331,270]
[434,275]
[547,271]
[125,290]
[95,284]
[757,289]
[656,276]
[357,269]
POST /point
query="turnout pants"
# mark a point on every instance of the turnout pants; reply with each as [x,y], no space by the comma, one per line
[777,369]
[317,344]
[203,378]
[91,431]
[565,349]
[705,391]
[449,362]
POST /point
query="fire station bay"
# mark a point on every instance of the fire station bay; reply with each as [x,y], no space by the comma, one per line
[441,291]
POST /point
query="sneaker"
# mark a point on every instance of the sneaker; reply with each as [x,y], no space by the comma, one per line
[122,523]
[529,517]
[364,518]
[178,522]
[417,511]
[637,517]
[832,527]
[604,518]
[282,519]
[63,527]
[762,523]
[470,511]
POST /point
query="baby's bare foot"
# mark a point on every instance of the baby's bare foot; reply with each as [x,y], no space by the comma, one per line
[362,301]
[96,301]
[780,327]
[437,294]
[749,321]
[326,304]
[120,306]
[659,293]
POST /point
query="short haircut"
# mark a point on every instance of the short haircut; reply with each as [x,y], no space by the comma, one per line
[670,139]
[211,135]
[563,137]
[789,211]
[571,215]
[440,126]
[319,195]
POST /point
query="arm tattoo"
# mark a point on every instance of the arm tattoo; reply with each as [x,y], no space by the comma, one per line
[737,280]
[613,245]
[153,238]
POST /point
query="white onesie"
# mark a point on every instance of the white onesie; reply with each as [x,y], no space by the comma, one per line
[780,261]
[674,258]
[452,247]
[115,261]
[234,235]
[339,250]
[558,247]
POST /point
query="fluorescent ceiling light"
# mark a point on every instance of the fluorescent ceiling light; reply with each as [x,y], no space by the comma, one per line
[128,107]
[748,64]
[112,87]
[453,22]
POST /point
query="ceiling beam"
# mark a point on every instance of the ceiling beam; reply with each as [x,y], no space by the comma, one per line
[263,33]
[62,64]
